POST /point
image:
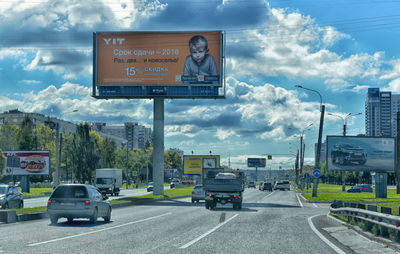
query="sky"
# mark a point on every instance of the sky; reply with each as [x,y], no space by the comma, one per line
[339,48]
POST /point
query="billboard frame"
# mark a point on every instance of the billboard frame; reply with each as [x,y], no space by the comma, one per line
[217,159]
[260,165]
[150,91]
[359,167]
[46,171]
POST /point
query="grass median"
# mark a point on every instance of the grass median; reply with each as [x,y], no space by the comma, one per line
[331,192]
[169,193]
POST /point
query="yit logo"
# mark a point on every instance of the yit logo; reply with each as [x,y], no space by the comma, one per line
[114,41]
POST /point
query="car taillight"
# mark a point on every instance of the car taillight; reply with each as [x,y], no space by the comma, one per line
[210,195]
[235,196]
[87,202]
[192,191]
[48,202]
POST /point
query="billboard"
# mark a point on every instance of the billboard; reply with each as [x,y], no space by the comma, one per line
[256,162]
[149,64]
[194,164]
[361,153]
[27,163]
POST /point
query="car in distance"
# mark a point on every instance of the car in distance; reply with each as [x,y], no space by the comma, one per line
[251,185]
[343,154]
[198,193]
[282,185]
[10,197]
[174,183]
[150,187]
[78,201]
[260,185]
[360,188]
[266,186]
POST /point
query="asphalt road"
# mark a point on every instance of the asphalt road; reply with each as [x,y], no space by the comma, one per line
[268,223]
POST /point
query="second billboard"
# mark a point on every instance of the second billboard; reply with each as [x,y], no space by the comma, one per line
[361,153]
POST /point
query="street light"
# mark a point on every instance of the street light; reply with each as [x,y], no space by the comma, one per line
[321,125]
[344,120]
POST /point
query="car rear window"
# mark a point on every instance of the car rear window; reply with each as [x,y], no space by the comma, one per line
[70,192]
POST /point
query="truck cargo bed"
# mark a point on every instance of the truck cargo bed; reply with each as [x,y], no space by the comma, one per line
[223,185]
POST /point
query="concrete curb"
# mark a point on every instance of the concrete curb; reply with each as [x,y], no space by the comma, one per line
[369,235]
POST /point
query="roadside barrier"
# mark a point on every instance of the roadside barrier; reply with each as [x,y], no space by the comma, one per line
[367,213]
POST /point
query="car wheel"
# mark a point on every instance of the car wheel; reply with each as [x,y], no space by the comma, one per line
[93,219]
[53,219]
[6,206]
[207,205]
[192,201]
[69,219]
[21,205]
[107,218]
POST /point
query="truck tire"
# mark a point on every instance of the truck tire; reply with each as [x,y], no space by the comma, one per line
[207,205]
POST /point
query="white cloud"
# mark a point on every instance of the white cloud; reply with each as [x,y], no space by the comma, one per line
[224,134]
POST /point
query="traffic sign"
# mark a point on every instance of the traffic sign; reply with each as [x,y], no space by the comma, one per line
[316,173]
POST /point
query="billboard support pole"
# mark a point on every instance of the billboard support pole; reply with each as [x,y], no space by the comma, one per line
[158,143]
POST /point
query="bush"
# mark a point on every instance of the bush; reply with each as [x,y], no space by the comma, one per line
[41,185]
[375,230]
[366,225]
[394,235]
[383,231]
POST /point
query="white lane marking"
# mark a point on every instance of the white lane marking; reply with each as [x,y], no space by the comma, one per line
[315,205]
[301,204]
[100,230]
[323,238]
[265,197]
[208,232]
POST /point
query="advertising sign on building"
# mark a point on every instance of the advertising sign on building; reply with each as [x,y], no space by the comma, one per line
[354,153]
[27,163]
[149,64]
[256,162]
[194,164]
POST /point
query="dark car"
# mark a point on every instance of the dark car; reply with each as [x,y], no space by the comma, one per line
[260,185]
[266,186]
[78,201]
[198,193]
[251,185]
[360,188]
[10,197]
[343,154]
[150,187]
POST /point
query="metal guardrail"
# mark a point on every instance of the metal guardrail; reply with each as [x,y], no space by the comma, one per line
[382,219]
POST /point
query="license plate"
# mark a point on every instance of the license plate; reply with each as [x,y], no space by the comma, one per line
[358,154]
[67,204]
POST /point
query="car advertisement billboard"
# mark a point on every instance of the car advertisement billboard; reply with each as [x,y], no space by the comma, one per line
[256,162]
[27,162]
[355,153]
[194,164]
[158,59]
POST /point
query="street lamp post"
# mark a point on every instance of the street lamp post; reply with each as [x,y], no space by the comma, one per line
[344,119]
[321,125]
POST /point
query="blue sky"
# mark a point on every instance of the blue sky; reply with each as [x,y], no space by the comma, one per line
[338,47]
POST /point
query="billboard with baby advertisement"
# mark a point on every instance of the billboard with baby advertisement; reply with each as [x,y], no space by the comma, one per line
[158,59]
[194,164]
[27,162]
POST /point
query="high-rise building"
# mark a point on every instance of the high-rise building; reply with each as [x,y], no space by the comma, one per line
[380,112]
[136,135]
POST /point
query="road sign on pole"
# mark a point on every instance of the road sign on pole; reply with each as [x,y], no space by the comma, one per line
[316,173]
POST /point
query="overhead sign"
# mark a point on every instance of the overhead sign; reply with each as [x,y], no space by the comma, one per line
[256,162]
[151,64]
[194,164]
[354,153]
[27,163]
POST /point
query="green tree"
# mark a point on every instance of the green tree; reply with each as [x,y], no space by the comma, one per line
[107,152]
[86,160]
[2,163]
[9,136]
[26,137]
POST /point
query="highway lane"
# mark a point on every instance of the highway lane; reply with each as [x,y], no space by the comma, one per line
[268,223]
